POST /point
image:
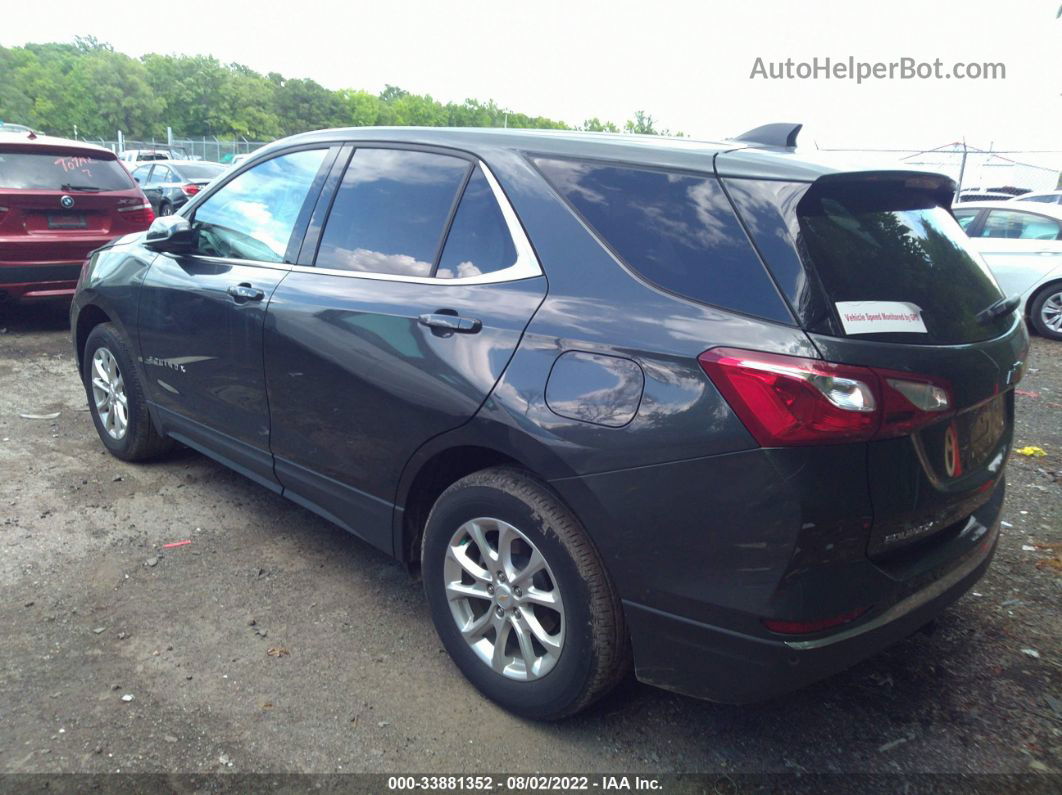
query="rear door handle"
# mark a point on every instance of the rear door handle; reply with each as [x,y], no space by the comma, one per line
[245,292]
[452,323]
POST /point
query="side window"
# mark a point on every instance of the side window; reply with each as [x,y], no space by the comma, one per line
[1015,225]
[161,176]
[252,217]
[479,241]
[390,212]
[965,217]
[676,229]
[1046,199]
[141,175]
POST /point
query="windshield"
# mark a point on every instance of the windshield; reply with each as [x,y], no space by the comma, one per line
[69,172]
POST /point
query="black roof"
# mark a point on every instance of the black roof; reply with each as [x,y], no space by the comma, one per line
[732,157]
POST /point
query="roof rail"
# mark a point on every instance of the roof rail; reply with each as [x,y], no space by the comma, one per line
[780,134]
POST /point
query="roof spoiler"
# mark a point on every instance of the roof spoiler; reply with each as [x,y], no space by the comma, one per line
[781,134]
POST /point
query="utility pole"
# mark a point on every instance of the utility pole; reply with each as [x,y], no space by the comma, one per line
[962,171]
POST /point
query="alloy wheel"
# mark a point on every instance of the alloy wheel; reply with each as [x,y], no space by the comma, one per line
[108,393]
[1051,312]
[504,599]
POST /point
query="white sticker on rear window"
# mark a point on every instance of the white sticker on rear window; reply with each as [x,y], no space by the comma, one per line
[880,317]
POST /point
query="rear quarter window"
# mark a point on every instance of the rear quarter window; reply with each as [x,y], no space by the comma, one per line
[57,171]
[677,230]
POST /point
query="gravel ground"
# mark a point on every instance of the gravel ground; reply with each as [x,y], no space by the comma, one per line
[275,642]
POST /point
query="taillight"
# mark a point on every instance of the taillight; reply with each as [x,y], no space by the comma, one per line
[138,213]
[191,189]
[791,400]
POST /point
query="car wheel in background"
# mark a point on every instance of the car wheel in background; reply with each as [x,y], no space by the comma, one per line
[1046,312]
[165,209]
[116,398]
[519,596]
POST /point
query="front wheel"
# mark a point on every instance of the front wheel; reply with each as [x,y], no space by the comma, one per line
[519,596]
[1046,312]
[116,398]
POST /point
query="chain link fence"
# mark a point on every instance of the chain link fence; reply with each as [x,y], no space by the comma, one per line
[210,148]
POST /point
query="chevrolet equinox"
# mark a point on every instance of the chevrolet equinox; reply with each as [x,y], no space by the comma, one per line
[726,414]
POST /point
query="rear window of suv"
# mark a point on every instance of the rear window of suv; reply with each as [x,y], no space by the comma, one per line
[886,243]
[61,172]
[854,239]
[675,229]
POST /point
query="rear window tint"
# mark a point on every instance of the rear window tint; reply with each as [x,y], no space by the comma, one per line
[51,171]
[200,171]
[390,212]
[892,243]
[479,241]
[676,230]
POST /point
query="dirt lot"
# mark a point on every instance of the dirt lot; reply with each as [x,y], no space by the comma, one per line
[275,642]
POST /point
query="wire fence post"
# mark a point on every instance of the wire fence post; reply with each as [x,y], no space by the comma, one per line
[962,172]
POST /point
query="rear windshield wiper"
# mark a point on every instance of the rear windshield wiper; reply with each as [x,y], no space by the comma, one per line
[1004,306]
[68,186]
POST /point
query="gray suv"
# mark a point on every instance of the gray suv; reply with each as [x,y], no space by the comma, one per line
[720,412]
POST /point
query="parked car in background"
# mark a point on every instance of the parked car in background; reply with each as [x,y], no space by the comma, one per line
[59,200]
[132,156]
[8,127]
[977,195]
[169,184]
[1045,197]
[1022,243]
[754,431]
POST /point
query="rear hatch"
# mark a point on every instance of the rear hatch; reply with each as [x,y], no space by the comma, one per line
[879,274]
[56,205]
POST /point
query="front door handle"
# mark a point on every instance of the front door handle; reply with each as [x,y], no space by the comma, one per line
[245,292]
[443,322]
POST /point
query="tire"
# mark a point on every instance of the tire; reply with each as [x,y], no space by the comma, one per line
[1046,312]
[138,440]
[165,209]
[577,653]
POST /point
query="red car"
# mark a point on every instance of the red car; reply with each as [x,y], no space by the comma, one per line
[59,200]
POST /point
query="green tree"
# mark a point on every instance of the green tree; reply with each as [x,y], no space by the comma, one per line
[596,125]
[55,86]
[641,124]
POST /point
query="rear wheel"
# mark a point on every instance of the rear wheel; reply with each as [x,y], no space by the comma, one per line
[519,597]
[1046,312]
[116,398]
[165,209]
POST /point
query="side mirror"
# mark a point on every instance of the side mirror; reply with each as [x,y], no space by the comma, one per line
[170,233]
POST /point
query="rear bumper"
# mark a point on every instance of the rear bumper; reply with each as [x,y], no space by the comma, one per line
[722,665]
[39,280]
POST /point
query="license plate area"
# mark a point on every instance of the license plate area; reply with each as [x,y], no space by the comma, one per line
[67,221]
[968,443]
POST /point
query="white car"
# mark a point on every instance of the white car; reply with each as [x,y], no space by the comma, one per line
[131,157]
[1021,242]
[1043,197]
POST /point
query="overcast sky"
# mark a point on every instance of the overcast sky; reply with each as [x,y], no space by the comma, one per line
[687,63]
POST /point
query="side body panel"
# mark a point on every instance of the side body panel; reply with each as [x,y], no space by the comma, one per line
[202,352]
[357,383]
